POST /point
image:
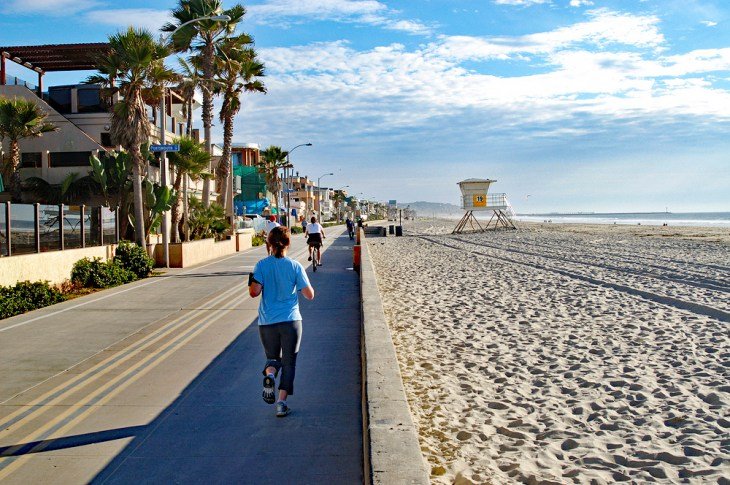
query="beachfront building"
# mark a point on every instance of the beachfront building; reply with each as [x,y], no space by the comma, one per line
[251,195]
[302,197]
[323,202]
[81,112]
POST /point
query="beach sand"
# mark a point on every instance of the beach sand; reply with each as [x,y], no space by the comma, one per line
[563,353]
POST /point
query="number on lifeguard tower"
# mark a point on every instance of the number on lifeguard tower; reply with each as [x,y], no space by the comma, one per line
[479,200]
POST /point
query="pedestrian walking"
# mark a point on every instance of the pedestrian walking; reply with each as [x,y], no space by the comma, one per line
[278,279]
[270,224]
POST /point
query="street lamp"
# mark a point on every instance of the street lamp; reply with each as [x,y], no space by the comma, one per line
[319,196]
[287,177]
[163,122]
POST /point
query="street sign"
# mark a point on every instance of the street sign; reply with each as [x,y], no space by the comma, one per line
[164,148]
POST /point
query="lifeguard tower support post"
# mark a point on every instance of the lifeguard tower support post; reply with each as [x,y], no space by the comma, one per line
[474,198]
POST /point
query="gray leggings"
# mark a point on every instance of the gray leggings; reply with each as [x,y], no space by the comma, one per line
[281,345]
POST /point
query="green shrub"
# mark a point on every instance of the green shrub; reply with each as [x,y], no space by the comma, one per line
[26,296]
[257,240]
[95,273]
[134,258]
[296,229]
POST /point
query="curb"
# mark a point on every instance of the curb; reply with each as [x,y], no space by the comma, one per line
[390,439]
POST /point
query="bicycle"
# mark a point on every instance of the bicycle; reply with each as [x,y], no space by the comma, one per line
[315,257]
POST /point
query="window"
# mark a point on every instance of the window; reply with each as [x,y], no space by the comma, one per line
[106,140]
[89,100]
[236,159]
[31,160]
[69,159]
[59,97]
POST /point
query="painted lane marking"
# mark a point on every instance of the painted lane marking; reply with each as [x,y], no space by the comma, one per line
[104,367]
[102,395]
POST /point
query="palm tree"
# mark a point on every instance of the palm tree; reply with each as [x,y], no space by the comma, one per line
[237,69]
[20,118]
[202,37]
[190,161]
[271,160]
[135,64]
[190,82]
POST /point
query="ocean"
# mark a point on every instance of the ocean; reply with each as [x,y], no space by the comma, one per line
[706,219]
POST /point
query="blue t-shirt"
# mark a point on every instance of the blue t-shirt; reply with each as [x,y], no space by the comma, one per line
[281,278]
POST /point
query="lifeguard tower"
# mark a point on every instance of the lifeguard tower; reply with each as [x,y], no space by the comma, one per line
[474,198]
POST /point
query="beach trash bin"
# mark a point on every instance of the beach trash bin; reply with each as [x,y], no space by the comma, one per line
[398,230]
[356,257]
[391,229]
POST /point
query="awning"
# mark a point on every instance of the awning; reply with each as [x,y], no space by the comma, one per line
[56,57]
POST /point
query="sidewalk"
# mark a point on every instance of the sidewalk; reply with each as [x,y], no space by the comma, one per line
[177,400]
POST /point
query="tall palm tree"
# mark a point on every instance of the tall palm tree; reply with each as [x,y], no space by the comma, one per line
[190,82]
[271,160]
[202,38]
[190,161]
[135,64]
[20,118]
[237,72]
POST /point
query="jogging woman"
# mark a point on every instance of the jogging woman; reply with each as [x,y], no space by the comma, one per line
[315,235]
[277,279]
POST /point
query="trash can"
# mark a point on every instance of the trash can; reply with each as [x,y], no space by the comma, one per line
[391,229]
[398,230]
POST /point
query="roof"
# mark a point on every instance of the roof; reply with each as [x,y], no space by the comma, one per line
[56,57]
[470,181]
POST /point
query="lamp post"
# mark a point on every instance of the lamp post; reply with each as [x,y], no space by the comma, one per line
[319,196]
[287,176]
[163,122]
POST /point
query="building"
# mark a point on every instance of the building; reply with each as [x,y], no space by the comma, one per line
[81,112]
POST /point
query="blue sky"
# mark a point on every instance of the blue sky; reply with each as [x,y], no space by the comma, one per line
[583,105]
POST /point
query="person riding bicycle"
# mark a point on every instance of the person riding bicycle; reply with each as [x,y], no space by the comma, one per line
[315,235]
[350,228]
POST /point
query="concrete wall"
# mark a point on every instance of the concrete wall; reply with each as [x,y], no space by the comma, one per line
[53,266]
[393,454]
[184,255]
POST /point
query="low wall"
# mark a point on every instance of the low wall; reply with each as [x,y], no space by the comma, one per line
[392,451]
[53,266]
[184,255]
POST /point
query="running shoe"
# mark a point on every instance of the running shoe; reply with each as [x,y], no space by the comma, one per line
[282,409]
[309,258]
[269,392]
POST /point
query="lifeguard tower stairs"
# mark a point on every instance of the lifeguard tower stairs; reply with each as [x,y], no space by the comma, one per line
[474,198]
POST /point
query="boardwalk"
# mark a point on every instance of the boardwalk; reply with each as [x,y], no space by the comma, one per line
[159,382]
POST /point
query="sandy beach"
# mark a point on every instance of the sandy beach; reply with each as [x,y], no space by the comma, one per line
[563,353]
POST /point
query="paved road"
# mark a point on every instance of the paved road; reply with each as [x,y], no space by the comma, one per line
[159,382]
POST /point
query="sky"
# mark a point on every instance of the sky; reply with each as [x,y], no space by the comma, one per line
[582,105]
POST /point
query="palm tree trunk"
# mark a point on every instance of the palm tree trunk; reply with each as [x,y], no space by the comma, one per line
[189,127]
[186,226]
[139,233]
[208,71]
[175,211]
[15,187]
[224,165]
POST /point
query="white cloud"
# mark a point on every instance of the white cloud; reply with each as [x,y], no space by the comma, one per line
[370,12]
[148,18]
[708,23]
[580,3]
[48,7]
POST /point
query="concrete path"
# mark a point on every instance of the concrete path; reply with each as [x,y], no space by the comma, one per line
[160,382]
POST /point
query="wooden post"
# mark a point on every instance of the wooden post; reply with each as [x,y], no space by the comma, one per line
[40,84]
[3,73]
[61,242]
[37,226]
[82,218]
[8,231]
[116,226]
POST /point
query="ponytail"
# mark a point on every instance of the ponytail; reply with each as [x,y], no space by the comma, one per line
[279,240]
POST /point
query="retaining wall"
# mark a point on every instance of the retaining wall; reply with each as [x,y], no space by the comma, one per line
[184,255]
[392,451]
[53,266]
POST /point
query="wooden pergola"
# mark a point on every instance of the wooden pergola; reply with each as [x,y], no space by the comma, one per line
[52,58]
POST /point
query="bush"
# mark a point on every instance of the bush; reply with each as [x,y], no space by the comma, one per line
[134,258]
[95,273]
[296,229]
[26,296]
[257,240]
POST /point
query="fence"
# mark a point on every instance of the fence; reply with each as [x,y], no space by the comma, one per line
[38,228]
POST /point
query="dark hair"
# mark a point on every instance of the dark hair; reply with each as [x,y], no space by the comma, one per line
[314,219]
[279,240]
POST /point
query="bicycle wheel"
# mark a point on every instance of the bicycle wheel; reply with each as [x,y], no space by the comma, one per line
[315,255]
